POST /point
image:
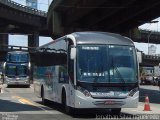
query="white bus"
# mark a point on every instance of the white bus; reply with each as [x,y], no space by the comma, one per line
[16,69]
[99,70]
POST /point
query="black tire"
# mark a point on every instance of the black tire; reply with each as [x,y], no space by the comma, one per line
[116,111]
[67,109]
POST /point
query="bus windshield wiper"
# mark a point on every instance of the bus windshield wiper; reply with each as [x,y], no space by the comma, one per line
[119,74]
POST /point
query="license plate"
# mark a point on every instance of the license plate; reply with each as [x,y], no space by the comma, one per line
[109,102]
[16,82]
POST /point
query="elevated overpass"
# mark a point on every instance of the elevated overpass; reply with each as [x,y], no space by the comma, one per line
[79,15]
[64,17]
[17,18]
[20,19]
[150,60]
[146,36]
[100,15]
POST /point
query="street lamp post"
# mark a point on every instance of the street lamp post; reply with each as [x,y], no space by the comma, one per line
[148,40]
[150,33]
[48,3]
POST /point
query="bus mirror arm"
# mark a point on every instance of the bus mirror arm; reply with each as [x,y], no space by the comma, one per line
[73,53]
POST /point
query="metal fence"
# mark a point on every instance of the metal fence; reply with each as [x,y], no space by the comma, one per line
[151,57]
[7,48]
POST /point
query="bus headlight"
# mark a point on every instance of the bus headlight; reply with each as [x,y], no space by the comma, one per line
[132,92]
[84,91]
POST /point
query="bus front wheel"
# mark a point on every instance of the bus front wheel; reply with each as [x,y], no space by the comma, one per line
[68,109]
[42,95]
[28,86]
[116,111]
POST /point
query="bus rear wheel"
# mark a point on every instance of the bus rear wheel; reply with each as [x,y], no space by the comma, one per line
[44,101]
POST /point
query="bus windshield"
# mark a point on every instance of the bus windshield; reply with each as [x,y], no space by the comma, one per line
[106,64]
[17,58]
[16,70]
[21,70]
[11,70]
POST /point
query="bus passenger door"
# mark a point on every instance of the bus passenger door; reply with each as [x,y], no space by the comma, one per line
[71,74]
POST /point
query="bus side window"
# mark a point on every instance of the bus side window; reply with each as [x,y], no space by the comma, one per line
[63,76]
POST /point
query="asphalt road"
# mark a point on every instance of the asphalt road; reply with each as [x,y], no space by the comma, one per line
[153,92]
[20,103]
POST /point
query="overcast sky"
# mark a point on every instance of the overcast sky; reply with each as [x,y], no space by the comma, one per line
[43,5]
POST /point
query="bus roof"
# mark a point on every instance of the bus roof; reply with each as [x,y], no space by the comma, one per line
[101,38]
[97,38]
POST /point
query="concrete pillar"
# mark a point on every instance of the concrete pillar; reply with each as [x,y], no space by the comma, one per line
[3,41]
[3,46]
[33,40]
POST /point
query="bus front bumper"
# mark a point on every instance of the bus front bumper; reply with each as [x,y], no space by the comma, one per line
[14,81]
[82,101]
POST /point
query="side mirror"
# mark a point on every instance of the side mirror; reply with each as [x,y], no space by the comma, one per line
[73,53]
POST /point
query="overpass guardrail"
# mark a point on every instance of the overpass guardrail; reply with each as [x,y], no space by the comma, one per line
[21,7]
